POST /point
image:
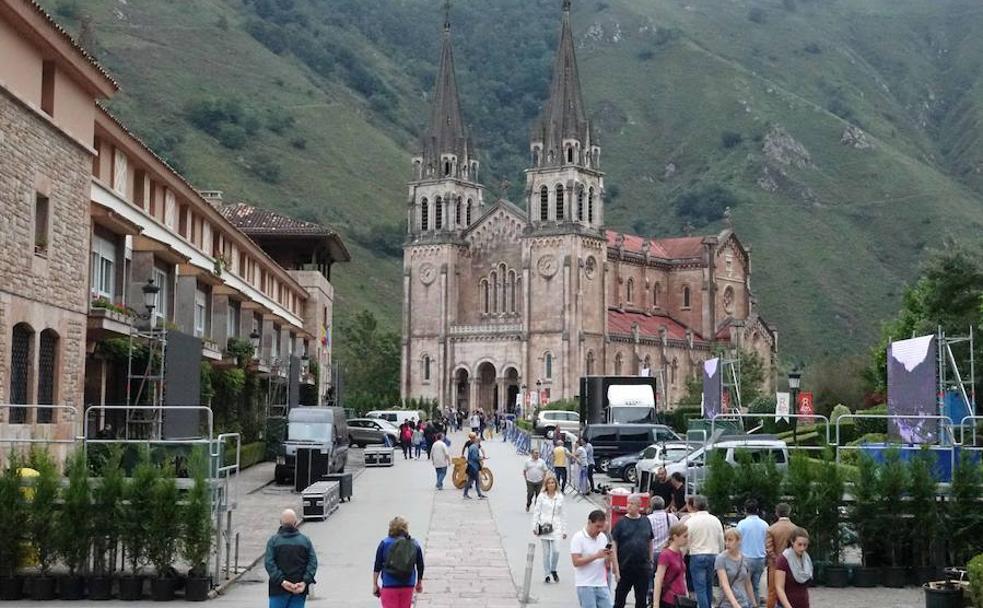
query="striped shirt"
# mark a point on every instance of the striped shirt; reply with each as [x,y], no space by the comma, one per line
[661,521]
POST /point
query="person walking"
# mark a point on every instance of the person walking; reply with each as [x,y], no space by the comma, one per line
[475,422]
[661,521]
[406,439]
[632,537]
[590,551]
[734,575]
[291,564]
[474,457]
[706,541]
[417,441]
[429,435]
[754,531]
[549,525]
[561,461]
[777,538]
[793,571]
[579,473]
[670,572]
[399,561]
[440,457]
[534,472]
[591,463]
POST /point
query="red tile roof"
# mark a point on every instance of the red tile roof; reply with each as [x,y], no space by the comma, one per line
[253,220]
[620,322]
[674,248]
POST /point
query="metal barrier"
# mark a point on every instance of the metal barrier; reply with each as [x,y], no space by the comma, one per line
[962,429]
[944,421]
[71,409]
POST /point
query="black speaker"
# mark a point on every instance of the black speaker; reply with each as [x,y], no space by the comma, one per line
[311,466]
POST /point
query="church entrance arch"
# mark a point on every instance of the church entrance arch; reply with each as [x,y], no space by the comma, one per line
[462,390]
[487,387]
[511,389]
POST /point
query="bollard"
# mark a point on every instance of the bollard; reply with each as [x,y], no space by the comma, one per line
[236,569]
[527,581]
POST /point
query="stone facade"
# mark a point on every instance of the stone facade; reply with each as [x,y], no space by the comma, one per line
[44,286]
[505,299]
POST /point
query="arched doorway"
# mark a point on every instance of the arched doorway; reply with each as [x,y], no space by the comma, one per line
[511,389]
[487,387]
[462,390]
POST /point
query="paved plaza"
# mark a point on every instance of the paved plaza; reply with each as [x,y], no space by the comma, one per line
[475,549]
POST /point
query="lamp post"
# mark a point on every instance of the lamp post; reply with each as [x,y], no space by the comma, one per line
[525,393]
[150,291]
[794,379]
[254,340]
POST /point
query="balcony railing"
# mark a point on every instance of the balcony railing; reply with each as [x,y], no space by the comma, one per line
[484,329]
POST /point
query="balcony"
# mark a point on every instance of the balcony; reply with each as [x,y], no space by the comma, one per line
[108,318]
[211,350]
[487,330]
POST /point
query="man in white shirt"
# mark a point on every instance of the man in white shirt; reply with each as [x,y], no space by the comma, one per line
[590,550]
[475,422]
[661,521]
[706,540]
[440,456]
[534,472]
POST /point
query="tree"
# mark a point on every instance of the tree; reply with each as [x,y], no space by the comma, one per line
[74,521]
[196,518]
[42,512]
[107,501]
[369,357]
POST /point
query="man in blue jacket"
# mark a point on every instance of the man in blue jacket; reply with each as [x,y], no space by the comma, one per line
[291,563]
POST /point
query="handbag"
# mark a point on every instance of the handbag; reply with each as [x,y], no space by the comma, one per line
[684,602]
[542,529]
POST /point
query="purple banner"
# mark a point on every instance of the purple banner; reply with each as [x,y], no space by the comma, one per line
[912,385]
[713,387]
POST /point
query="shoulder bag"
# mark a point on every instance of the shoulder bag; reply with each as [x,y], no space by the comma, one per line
[542,528]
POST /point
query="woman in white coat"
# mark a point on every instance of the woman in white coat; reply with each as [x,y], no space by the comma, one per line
[549,525]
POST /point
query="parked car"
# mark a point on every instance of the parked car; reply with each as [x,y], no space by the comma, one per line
[759,447]
[397,417]
[623,467]
[366,431]
[613,440]
[658,455]
[549,420]
[322,428]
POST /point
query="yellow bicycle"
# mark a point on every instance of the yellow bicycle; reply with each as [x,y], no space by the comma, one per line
[460,475]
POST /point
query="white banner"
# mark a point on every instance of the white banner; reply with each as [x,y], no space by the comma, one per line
[782,407]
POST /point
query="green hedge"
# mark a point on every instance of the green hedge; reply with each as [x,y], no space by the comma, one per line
[250,454]
[848,471]
[525,425]
[866,426]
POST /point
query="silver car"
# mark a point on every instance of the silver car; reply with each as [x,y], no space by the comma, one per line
[368,431]
[550,420]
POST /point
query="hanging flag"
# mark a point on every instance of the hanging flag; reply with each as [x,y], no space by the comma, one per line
[782,402]
[806,407]
[326,335]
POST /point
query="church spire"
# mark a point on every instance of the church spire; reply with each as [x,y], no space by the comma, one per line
[563,123]
[445,146]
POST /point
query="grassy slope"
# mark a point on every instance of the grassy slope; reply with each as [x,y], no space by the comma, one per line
[832,247]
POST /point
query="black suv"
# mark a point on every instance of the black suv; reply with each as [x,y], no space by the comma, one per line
[613,440]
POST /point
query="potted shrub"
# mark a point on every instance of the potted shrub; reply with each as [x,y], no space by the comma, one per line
[138,505]
[866,502]
[719,483]
[41,527]
[164,529]
[73,527]
[197,529]
[107,503]
[894,528]
[963,515]
[923,510]
[827,497]
[12,513]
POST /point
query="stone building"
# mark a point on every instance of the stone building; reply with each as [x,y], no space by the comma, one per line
[501,298]
[89,216]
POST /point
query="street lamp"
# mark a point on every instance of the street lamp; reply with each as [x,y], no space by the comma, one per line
[254,340]
[150,292]
[794,379]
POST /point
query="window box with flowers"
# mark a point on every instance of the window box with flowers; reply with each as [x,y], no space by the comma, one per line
[103,308]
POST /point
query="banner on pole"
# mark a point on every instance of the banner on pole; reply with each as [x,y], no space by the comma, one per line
[781,407]
[806,407]
[712,388]
[912,386]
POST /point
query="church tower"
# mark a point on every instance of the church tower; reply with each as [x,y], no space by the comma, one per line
[564,185]
[444,196]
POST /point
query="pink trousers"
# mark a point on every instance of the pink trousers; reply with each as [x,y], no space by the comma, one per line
[397,597]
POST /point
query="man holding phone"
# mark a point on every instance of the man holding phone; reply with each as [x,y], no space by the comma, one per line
[590,550]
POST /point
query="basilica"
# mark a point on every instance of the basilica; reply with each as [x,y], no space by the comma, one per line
[500,299]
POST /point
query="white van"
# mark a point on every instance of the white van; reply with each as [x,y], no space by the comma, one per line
[759,447]
[397,417]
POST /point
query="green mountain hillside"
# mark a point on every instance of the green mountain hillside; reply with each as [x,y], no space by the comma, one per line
[844,134]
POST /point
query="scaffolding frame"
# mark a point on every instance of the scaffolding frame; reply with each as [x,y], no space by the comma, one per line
[152,379]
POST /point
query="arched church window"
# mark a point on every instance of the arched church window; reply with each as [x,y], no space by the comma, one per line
[535,157]
[580,203]
[590,206]
[570,154]
[447,168]
[544,204]
[630,290]
[647,364]
[672,371]
[686,297]
[618,364]
[457,213]
[549,157]
[512,291]
[426,367]
[505,287]
[655,294]
[484,296]
[438,213]
[729,300]
[590,363]
[559,203]
[468,213]
[548,364]
[494,287]
[424,215]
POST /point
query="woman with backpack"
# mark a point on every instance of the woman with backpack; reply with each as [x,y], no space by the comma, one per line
[399,561]
[406,440]
[734,574]
[549,525]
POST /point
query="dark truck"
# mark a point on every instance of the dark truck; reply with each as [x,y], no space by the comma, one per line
[322,428]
